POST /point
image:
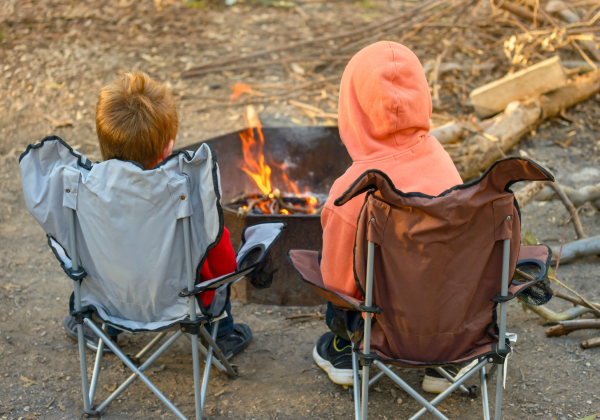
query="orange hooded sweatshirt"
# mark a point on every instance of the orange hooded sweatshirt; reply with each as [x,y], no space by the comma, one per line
[384,111]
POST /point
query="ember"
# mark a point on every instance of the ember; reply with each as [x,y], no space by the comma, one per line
[270,200]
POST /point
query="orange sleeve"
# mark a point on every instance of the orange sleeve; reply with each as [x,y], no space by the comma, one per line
[338,244]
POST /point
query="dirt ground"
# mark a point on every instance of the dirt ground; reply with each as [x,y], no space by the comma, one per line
[56,55]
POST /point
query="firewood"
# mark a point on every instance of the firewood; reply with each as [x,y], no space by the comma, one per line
[566,327]
[478,151]
[590,343]
[449,133]
[577,249]
[531,82]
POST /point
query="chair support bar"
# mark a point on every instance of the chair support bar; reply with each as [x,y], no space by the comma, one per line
[451,389]
[133,368]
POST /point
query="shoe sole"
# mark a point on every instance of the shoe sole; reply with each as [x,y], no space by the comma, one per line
[337,376]
[89,345]
[435,385]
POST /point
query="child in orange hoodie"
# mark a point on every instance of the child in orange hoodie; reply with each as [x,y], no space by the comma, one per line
[384,111]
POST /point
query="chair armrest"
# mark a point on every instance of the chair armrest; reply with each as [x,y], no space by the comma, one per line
[306,264]
[539,255]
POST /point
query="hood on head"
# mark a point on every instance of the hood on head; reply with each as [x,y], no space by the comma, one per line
[384,105]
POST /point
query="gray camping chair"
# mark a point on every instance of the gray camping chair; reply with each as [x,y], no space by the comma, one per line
[133,241]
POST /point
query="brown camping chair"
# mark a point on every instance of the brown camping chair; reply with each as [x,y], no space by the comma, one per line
[433,272]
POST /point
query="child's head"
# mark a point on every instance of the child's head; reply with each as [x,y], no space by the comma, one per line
[136,119]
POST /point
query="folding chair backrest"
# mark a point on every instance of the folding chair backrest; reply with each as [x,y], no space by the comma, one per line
[438,261]
[129,240]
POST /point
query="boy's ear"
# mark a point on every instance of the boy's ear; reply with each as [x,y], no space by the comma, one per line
[168,150]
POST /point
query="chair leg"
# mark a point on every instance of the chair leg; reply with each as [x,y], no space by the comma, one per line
[499,384]
[138,373]
[356,387]
[208,364]
[97,365]
[143,367]
[196,368]
[365,392]
[484,395]
[83,366]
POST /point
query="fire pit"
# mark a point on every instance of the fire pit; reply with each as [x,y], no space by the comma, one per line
[303,163]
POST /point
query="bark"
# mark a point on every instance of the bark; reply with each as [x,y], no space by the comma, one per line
[577,249]
[566,327]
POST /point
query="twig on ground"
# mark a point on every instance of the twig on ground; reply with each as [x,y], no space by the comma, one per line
[573,300]
[570,207]
[594,308]
[556,317]
[323,39]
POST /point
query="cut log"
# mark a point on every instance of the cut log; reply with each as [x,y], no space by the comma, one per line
[566,327]
[531,82]
[577,249]
[591,343]
[448,133]
[477,152]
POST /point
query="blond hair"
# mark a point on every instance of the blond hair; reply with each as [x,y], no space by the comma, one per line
[136,118]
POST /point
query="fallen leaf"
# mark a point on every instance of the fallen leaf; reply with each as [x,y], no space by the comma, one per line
[158,368]
[59,123]
[221,392]
[592,417]
[62,407]
[399,400]
[110,388]
[298,69]
[28,382]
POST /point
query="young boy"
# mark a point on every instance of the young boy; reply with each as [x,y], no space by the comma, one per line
[136,120]
[384,111]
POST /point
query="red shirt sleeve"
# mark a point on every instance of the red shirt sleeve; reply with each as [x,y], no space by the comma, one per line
[220,261]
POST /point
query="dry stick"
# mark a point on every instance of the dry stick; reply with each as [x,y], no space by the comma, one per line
[582,301]
[199,72]
[290,93]
[556,317]
[573,300]
[563,197]
[584,55]
[566,327]
[345,34]
[590,305]
[436,69]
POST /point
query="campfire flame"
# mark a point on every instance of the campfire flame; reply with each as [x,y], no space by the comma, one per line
[254,159]
[272,201]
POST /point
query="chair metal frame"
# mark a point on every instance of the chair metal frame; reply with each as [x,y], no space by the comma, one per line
[194,325]
[362,383]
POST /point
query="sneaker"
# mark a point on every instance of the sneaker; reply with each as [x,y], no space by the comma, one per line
[90,338]
[235,342]
[334,356]
[436,383]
